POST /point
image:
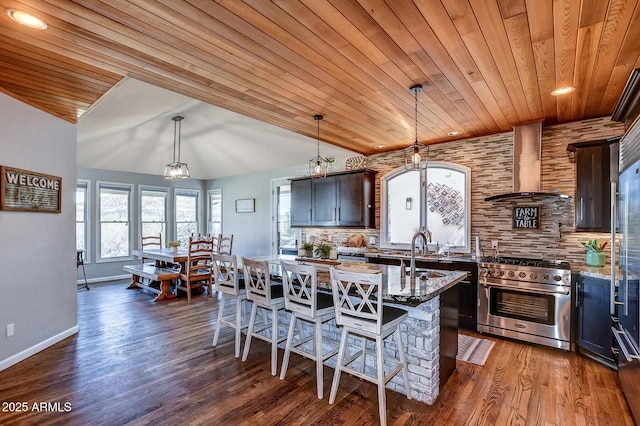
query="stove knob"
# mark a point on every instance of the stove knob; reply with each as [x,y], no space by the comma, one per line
[512,274]
[545,277]
[500,272]
[534,276]
[557,278]
[522,275]
[485,271]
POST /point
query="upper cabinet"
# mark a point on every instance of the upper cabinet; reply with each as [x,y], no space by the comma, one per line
[596,168]
[344,199]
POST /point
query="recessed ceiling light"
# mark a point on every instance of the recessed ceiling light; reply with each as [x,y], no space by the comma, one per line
[456,133]
[380,147]
[26,19]
[563,91]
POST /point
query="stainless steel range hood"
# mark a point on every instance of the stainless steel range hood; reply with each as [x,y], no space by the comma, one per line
[527,144]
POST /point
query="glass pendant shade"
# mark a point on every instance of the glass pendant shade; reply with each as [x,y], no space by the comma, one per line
[318,165]
[416,155]
[176,170]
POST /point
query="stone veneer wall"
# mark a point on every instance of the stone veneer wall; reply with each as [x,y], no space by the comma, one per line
[491,161]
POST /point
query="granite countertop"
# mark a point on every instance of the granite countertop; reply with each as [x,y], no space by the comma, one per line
[428,258]
[603,272]
[428,283]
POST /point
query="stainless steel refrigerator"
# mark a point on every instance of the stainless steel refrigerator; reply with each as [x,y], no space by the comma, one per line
[626,286]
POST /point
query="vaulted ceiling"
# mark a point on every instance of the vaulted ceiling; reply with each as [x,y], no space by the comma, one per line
[485,65]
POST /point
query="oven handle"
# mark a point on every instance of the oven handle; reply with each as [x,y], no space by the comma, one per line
[619,334]
[530,290]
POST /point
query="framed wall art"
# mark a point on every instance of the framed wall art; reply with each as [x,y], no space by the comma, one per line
[246,205]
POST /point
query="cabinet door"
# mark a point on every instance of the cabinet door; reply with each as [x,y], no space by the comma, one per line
[301,209]
[593,317]
[593,212]
[350,199]
[324,201]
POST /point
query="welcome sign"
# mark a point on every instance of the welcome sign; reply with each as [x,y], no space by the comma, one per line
[22,190]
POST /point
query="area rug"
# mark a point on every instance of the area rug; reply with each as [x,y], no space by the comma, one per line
[473,350]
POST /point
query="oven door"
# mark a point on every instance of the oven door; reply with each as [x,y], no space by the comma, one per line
[534,312]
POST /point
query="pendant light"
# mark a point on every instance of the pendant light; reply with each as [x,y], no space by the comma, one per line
[416,156]
[318,165]
[176,170]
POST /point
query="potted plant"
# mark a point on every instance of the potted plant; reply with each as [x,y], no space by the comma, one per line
[595,252]
[329,161]
[173,245]
[322,250]
[308,249]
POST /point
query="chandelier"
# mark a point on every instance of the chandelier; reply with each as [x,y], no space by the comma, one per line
[176,170]
[318,165]
[416,156]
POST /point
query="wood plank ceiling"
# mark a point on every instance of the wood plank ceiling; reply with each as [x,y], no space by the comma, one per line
[485,65]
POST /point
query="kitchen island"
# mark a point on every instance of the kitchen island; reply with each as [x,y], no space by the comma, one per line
[430,332]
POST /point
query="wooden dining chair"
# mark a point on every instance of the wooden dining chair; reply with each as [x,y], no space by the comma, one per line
[197,270]
[150,241]
[225,244]
[360,312]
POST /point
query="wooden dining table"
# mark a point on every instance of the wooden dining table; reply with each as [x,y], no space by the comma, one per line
[164,258]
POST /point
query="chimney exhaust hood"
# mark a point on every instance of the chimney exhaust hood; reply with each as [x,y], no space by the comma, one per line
[527,144]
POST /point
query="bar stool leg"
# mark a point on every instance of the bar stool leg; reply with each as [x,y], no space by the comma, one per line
[318,357]
[403,360]
[382,397]
[219,322]
[336,374]
[274,342]
[238,334]
[247,342]
[289,344]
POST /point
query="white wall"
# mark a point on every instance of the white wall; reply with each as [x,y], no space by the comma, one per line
[37,254]
[251,231]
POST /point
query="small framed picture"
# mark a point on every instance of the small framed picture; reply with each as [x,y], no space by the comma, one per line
[246,205]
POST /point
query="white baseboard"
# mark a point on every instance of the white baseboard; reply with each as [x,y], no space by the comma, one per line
[104,279]
[21,356]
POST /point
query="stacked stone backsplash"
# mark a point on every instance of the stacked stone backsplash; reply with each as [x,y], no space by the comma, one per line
[491,161]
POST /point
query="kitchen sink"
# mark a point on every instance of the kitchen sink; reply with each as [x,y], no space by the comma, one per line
[424,274]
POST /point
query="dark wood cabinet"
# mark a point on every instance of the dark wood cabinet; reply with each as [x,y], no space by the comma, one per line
[593,319]
[596,168]
[344,199]
[301,203]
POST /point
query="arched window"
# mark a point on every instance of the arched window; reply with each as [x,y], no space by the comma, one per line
[437,199]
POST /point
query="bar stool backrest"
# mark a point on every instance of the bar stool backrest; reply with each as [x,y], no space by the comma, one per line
[257,280]
[225,274]
[355,300]
[300,288]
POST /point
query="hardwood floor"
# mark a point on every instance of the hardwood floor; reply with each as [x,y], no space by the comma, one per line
[139,362]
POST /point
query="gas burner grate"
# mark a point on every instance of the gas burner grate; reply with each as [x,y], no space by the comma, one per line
[523,261]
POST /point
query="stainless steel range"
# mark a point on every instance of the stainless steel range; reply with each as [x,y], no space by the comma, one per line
[525,299]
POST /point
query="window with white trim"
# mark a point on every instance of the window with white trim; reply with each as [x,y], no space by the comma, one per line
[215,211]
[436,199]
[186,208]
[82,216]
[153,212]
[114,215]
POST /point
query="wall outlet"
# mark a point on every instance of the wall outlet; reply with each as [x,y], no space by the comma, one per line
[494,244]
[9,330]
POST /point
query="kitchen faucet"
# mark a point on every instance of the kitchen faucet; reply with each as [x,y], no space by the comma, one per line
[412,266]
